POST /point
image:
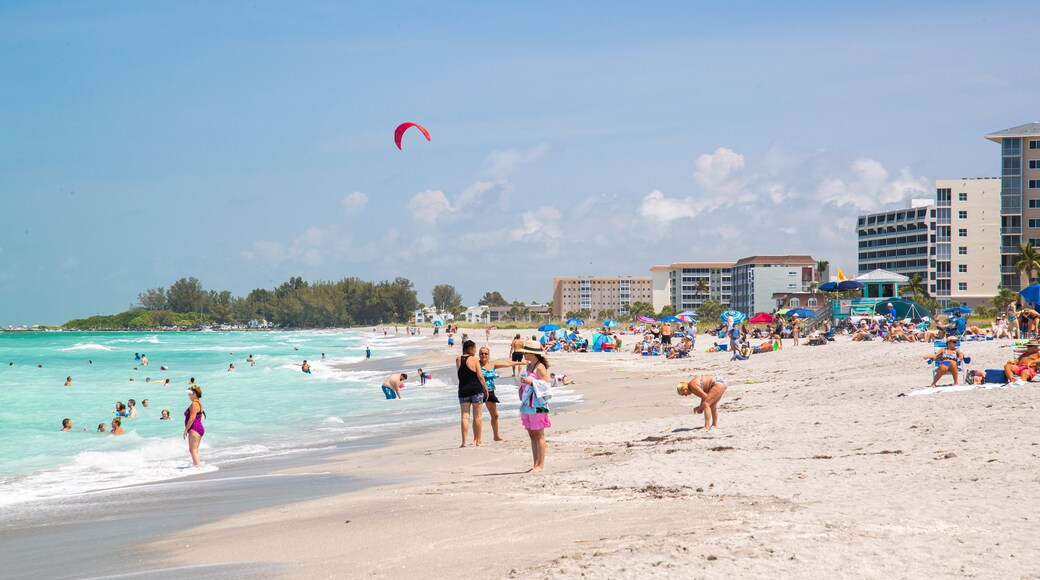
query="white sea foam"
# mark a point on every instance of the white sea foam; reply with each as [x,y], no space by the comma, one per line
[85,346]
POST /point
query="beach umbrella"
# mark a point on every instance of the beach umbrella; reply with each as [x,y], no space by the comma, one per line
[828,287]
[687,313]
[738,316]
[761,318]
[958,310]
[687,318]
[846,285]
[548,328]
[438,323]
[645,319]
[610,323]
[575,322]
[801,312]
[671,319]
[1031,293]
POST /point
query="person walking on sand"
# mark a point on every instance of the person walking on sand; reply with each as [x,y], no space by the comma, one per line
[489,369]
[472,392]
[796,325]
[516,354]
[392,385]
[193,429]
[534,396]
[709,388]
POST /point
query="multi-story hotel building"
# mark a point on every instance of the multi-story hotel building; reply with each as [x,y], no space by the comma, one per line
[598,294]
[966,263]
[757,278]
[686,285]
[1019,195]
[898,241]
[953,244]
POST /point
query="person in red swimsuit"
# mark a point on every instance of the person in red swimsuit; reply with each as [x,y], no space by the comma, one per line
[193,429]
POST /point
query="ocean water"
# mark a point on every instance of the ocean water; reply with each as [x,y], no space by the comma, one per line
[268,409]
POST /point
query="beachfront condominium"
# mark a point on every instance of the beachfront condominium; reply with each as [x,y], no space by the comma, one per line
[965,266]
[1019,195]
[952,243]
[597,295]
[757,278]
[686,285]
[899,241]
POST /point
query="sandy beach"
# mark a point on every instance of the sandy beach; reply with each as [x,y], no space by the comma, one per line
[817,469]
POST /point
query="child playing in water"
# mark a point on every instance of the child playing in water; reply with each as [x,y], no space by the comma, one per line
[710,389]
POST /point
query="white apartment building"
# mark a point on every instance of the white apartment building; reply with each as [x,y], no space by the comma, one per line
[686,285]
[757,278]
[966,264]
[598,294]
[899,241]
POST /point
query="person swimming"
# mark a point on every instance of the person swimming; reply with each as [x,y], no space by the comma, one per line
[165,415]
[117,426]
[68,381]
[231,367]
[305,367]
[66,424]
[101,428]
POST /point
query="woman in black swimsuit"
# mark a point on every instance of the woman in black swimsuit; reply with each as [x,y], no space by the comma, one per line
[472,391]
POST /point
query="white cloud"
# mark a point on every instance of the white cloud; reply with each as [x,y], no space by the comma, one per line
[716,170]
[314,247]
[474,193]
[665,209]
[503,163]
[869,188]
[427,206]
[354,202]
[541,225]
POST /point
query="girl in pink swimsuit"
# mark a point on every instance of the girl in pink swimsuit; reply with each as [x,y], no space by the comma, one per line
[193,429]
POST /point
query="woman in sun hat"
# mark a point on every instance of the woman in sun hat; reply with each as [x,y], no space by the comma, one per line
[534,394]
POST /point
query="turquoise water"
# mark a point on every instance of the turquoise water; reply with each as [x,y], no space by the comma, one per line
[270,408]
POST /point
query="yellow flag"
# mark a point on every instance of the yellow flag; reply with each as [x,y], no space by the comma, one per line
[841,275]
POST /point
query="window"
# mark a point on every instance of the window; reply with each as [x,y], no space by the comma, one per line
[1034,184]
[1034,144]
[962,268]
[962,197]
[795,303]
[962,214]
[962,233]
[811,303]
[1034,163]
[962,250]
[1034,223]
[1034,204]
[962,286]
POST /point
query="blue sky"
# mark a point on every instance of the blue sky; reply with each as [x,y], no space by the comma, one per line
[244,143]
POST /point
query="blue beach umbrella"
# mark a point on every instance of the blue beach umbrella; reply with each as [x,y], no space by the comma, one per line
[610,323]
[575,322]
[670,319]
[958,310]
[738,316]
[846,285]
[438,323]
[801,312]
[687,313]
[828,287]
[1031,293]
[548,328]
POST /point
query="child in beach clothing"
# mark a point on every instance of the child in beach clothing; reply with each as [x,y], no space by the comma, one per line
[534,395]
[710,389]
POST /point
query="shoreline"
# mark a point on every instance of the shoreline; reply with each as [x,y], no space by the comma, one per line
[849,480]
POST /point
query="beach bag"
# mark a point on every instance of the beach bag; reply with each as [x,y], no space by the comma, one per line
[976,377]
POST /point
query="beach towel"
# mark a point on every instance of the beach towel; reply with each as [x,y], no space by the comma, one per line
[958,388]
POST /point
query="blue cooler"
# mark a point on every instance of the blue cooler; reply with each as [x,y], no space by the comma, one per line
[995,376]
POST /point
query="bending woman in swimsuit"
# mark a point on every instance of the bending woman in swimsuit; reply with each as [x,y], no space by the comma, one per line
[193,429]
[710,389]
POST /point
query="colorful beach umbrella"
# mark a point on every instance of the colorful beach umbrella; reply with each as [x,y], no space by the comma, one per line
[610,323]
[646,319]
[548,328]
[687,318]
[738,316]
[671,319]
[575,322]
[687,313]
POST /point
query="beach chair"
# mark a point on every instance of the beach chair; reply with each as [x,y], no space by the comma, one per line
[962,365]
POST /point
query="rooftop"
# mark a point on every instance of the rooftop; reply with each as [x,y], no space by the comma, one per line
[800,260]
[1027,130]
[693,265]
[880,275]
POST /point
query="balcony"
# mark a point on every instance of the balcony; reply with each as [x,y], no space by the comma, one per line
[1007,270]
[1008,249]
[1011,230]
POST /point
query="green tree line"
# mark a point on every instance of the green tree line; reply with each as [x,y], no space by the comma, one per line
[294,304]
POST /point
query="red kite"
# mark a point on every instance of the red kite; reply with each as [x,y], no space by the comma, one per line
[399,132]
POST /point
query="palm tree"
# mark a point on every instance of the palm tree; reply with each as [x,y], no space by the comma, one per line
[1027,262]
[822,267]
[701,287]
[914,287]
